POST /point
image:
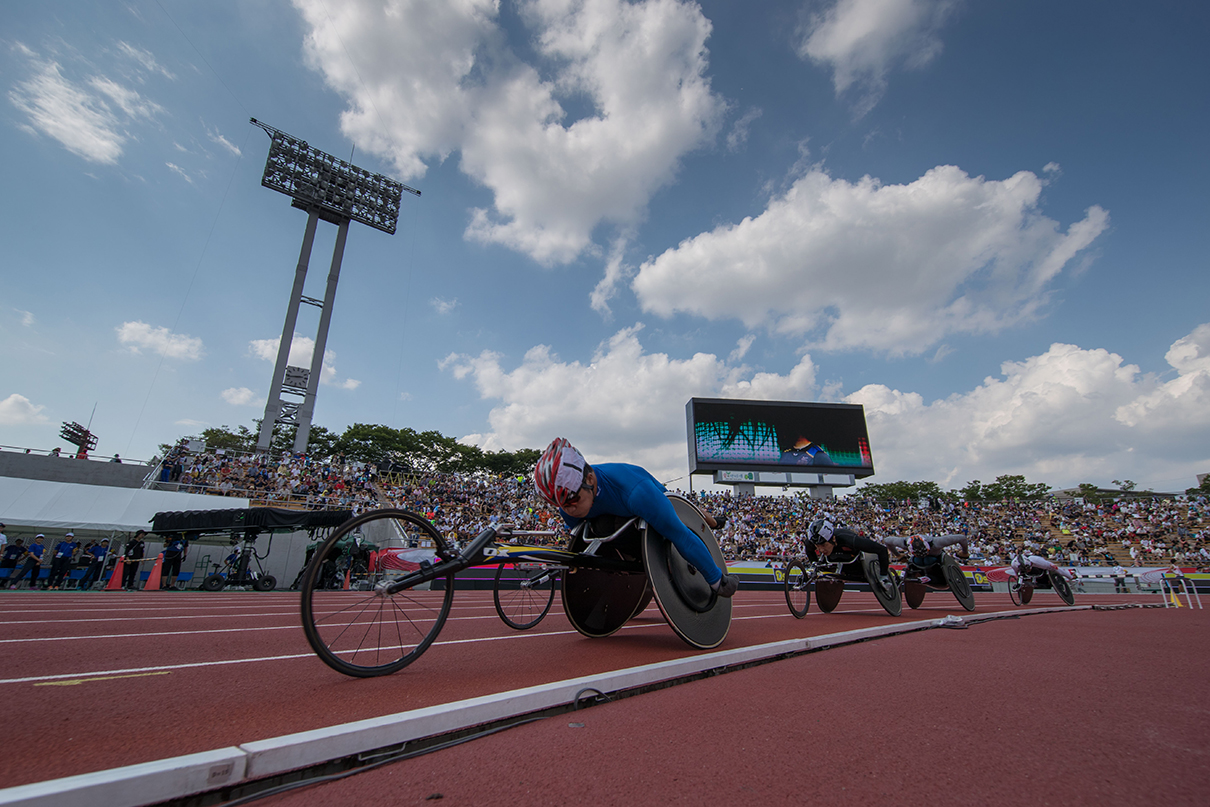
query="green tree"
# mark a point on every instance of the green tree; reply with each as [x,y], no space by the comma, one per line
[1125,485]
[1009,487]
[1090,492]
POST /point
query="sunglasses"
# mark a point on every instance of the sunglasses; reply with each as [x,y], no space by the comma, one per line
[574,498]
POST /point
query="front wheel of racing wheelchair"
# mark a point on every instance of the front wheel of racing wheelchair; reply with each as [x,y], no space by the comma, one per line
[356,623]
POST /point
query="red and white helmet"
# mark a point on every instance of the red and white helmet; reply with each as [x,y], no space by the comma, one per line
[560,472]
[917,545]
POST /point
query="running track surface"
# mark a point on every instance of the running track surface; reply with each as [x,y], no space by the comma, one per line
[1110,699]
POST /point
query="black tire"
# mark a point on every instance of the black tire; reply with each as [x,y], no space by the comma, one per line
[523,594]
[958,583]
[1014,592]
[213,582]
[369,633]
[266,582]
[1059,583]
[798,588]
[889,597]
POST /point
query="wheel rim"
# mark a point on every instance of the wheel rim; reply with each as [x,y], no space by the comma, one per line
[523,594]
[798,589]
[369,632]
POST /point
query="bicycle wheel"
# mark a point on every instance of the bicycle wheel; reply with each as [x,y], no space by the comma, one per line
[798,589]
[1059,583]
[958,583]
[523,593]
[372,632]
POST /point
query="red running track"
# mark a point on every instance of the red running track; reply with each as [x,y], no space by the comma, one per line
[92,681]
[1082,708]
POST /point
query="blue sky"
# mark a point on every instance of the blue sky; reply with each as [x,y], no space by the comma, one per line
[985,221]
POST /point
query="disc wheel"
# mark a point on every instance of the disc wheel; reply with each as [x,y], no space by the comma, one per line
[828,593]
[958,583]
[888,596]
[798,589]
[374,632]
[913,593]
[213,582]
[1059,583]
[523,593]
[266,582]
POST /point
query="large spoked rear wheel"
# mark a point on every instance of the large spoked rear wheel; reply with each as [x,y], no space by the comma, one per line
[350,620]
[523,593]
[798,589]
[958,583]
[1059,583]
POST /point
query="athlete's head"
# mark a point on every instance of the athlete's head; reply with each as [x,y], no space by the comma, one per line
[916,546]
[560,473]
[821,531]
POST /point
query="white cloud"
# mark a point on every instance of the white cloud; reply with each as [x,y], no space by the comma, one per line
[863,40]
[139,336]
[82,122]
[301,350]
[434,78]
[17,410]
[145,59]
[888,267]
[176,169]
[27,317]
[1067,416]
[239,396]
[739,131]
[216,137]
[442,306]
[623,404]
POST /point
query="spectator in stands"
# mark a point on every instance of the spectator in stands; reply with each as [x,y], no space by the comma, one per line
[33,562]
[8,559]
[55,452]
[3,538]
[96,564]
[60,562]
[117,458]
[133,553]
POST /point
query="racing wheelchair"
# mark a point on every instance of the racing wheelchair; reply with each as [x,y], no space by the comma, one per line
[945,574]
[1021,586]
[609,573]
[829,574]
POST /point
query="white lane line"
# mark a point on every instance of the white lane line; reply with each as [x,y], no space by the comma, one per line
[292,656]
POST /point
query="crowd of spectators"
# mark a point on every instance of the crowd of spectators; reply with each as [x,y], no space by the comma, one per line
[1136,532]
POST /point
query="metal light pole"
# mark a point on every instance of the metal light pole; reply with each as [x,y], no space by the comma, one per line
[337,192]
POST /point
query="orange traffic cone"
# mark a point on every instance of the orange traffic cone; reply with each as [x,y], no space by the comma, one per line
[115,577]
[153,581]
[347,573]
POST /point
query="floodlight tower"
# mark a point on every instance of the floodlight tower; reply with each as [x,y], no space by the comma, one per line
[338,192]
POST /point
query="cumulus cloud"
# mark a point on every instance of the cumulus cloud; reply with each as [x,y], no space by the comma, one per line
[17,410]
[622,404]
[891,268]
[1067,416]
[861,41]
[139,336]
[239,396]
[301,350]
[443,306]
[87,118]
[583,136]
[26,317]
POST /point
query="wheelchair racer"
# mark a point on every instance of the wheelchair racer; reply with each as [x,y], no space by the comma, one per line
[924,551]
[823,536]
[1024,565]
[565,479]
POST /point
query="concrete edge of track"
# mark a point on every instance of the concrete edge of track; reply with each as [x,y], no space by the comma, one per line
[179,777]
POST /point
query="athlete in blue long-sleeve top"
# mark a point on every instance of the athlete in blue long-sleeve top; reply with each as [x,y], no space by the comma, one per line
[581,491]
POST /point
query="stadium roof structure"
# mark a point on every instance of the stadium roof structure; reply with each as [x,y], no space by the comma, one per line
[255,519]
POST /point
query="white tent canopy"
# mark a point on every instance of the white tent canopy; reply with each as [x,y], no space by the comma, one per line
[42,506]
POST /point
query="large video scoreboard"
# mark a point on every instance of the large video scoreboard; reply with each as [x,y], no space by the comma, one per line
[777,436]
